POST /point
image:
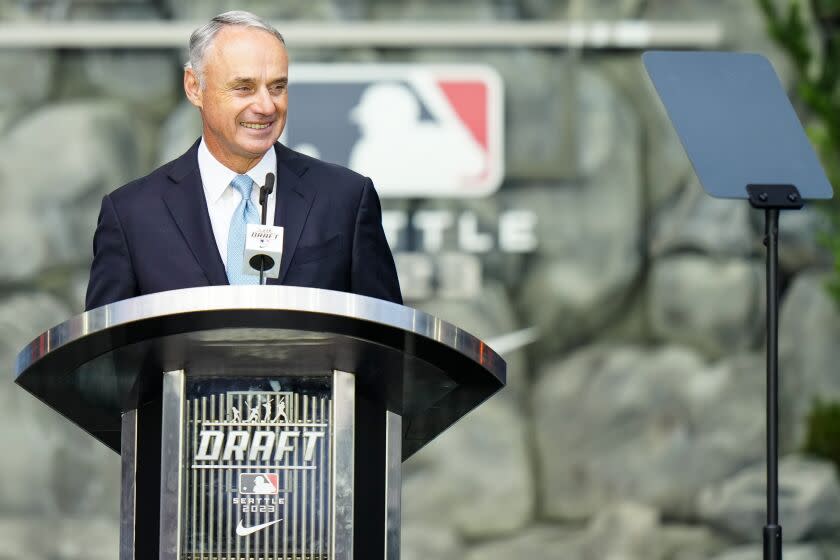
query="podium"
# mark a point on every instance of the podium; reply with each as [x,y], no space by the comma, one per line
[260,422]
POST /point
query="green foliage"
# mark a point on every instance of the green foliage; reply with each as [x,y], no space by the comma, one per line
[823,432]
[817,76]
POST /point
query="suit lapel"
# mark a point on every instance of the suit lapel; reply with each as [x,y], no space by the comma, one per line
[186,202]
[292,204]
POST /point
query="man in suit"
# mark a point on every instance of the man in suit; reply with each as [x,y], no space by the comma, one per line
[183,224]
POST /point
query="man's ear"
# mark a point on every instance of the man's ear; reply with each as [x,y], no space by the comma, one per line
[192,87]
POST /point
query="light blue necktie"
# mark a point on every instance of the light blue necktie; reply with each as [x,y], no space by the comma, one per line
[245,213]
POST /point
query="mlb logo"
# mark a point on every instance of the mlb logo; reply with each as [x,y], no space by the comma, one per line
[258,483]
[415,130]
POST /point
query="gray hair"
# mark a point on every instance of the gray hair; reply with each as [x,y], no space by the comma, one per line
[202,37]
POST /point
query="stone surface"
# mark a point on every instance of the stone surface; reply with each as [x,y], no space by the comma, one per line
[92,148]
[653,426]
[535,543]
[588,259]
[809,327]
[799,245]
[570,300]
[120,10]
[7,117]
[632,324]
[180,129]
[73,474]
[577,9]
[203,10]
[666,168]
[809,500]
[624,531]
[91,145]
[713,305]
[607,129]
[28,76]
[628,530]
[791,552]
[421,542]
[419,10]
[147,80]
[27,247]
[694,221]
[58,538]
[475,477]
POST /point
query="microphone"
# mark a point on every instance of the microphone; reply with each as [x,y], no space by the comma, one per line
[266,190]
[264,243]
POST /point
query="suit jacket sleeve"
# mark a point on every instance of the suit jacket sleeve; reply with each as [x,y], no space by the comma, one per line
[373,272]
[111,274]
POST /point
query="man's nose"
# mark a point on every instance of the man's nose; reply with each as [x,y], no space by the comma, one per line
[263,103]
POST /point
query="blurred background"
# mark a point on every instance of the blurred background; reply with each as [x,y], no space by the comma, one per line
[628,304]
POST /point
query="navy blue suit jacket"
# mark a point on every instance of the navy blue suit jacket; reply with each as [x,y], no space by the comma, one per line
[154,234]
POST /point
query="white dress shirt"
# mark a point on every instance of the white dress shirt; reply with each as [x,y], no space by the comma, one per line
[222,199]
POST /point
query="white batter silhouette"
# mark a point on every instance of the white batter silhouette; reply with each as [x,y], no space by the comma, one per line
[263,486]
[400,152]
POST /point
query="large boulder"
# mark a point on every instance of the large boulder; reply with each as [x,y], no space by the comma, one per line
[653,426]
[535,543]
[476,477]
[93,147]
[73,473]
[588,260]
[809,328]
[179,131]
[28,77]
[799,239]
[713,305]
[587,264]
[64,538]
[694,221]
[809,500]
[666,165]
[624,531]
[147,80]
[421,542]
[26,245]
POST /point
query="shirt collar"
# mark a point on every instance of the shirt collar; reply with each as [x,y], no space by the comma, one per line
[216,177]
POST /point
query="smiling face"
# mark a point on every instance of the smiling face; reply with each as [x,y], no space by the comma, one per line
[244,97]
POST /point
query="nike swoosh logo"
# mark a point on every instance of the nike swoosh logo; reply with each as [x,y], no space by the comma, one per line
[243,531]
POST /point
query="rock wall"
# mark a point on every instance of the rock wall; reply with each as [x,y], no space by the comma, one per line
[632,428]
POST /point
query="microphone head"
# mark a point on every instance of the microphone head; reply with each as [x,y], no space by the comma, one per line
[269,183]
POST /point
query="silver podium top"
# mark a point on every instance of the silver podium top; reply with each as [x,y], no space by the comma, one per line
[101,363]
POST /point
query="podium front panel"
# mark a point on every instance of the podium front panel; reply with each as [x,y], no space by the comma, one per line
[251,467]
